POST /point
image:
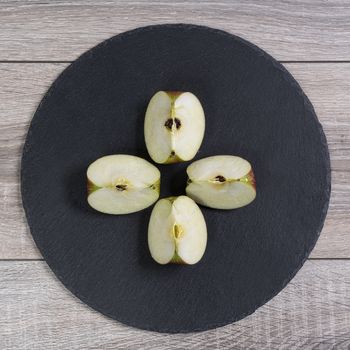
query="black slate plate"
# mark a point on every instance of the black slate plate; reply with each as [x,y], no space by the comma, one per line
[254,108]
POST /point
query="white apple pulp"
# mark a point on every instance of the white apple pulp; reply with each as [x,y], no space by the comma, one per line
[221,182]
[174,126]
[177,231]
[122,184]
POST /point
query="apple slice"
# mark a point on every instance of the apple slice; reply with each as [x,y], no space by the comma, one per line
[122,184]
[221,182]
[174,126]
[177,232]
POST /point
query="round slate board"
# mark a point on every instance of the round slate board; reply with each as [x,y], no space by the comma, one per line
[254,109]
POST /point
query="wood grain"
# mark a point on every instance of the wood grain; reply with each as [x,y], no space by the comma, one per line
[23,84]
[37,312]
[312,312]
[288,30]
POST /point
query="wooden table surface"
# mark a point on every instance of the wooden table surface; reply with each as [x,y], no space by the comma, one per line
[38,39]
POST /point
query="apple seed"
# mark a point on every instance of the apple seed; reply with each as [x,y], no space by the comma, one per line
[121,187]
[220,178]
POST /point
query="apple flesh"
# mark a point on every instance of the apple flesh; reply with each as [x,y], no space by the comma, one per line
[177,232]
[174,126]
[122,184]
[221,182]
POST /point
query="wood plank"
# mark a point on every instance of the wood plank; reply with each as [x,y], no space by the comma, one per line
[62,30]
[312,312]
[22,88]
[327,85]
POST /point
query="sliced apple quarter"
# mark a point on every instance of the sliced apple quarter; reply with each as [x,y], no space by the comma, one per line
[174,126]
[122,184]
[221,182]
[177,232]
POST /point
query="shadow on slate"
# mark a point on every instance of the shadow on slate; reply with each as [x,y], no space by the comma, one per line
[254,109]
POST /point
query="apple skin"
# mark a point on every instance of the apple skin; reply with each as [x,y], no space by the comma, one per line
[249,179]
[173,159]
[177,260]
[91,187]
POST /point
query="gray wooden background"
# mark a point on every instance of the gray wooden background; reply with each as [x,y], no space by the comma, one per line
[37,41]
